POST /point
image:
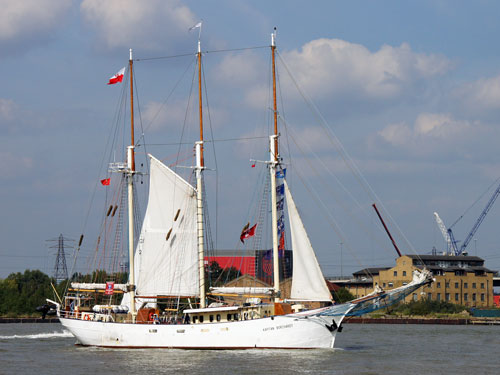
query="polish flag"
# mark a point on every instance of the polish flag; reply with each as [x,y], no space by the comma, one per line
[118,77]
[106,181]
[247,233]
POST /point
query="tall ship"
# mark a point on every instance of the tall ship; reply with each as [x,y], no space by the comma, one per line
[165,302]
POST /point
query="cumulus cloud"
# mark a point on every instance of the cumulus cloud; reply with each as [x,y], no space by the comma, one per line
[481,94]
[326,66]
[27,23]
[151,25]
[333,67]
[428,127]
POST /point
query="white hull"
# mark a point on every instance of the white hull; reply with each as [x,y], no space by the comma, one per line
[287,331]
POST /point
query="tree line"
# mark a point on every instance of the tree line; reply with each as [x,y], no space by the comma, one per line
[22,293]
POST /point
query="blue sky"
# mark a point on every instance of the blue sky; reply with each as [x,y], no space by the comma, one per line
[412,89]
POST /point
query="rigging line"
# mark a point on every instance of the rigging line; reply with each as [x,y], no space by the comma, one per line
[168,97]
[207,141]
[215,160]
[333,223]
[110,140]
[140,122]
[344,188]
[164,57]
[186,115]
[475,202]
[204,52]
[345,156]
[309,188]
[236,49]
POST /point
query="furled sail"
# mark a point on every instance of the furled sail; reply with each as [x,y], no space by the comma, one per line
[166,258]
[242,290]
[308,283]
[98,286]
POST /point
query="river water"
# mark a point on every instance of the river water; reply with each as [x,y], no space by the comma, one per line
[359,349]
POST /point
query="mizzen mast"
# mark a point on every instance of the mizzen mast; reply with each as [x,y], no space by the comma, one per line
[273,164]
[130,185]
[200,166]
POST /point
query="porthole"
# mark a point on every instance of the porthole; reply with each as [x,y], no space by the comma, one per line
[218,317]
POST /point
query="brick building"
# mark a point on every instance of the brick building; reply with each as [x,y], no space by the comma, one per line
[459,279]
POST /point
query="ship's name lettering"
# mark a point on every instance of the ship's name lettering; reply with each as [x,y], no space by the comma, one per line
[277,327]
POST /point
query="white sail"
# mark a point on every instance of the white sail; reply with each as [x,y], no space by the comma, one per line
[166,257]
[308,283]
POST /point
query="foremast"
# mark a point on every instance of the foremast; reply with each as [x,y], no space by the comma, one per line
[130,193]
[200,166]
[273,167]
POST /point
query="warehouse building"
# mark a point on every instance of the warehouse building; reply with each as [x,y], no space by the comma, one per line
[459,279]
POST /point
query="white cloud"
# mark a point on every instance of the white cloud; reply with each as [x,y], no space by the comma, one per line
[428,127]
[481,94]
[333,67]
[326,66]
[151,25]
[29,21]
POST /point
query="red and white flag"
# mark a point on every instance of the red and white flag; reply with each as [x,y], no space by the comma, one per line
[118,77]
[110,288]
[106,181]
[247,232]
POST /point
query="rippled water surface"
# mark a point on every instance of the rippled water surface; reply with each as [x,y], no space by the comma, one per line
[360,349]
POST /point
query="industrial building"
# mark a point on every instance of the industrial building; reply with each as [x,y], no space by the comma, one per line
[459,279]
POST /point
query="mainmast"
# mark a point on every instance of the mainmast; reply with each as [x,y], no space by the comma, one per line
[200,166]
[130,185]
[273,164]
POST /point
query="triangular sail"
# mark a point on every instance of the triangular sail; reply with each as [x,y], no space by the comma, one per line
[166,257]
[308,283]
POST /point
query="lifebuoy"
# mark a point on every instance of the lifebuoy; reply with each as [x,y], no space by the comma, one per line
[86,317]
[150,316]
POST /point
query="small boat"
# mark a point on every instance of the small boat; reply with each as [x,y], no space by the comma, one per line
[168,263]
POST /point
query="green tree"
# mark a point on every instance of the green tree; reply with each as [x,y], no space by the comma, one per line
[21,293]
[342,295]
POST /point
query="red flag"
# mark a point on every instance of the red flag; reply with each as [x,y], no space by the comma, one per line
[106,181]
[110,288]
[118,77]
[253,165]
[247,233]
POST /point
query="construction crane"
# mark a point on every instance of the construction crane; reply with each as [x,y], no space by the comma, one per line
[444,231]
[456,250]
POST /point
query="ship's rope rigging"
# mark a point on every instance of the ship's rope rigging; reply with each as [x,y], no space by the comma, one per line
[347,159]
[290,138]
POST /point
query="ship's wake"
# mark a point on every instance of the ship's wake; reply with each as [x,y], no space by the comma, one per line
[37,336]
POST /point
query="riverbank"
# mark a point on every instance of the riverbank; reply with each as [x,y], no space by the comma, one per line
[29,320]
[408,320]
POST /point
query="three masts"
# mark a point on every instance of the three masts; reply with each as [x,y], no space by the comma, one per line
[252,324]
